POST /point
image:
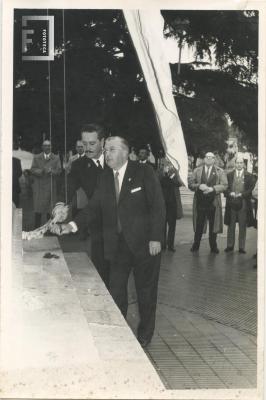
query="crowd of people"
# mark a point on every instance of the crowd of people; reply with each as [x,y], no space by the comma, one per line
[130,202]
[227,160]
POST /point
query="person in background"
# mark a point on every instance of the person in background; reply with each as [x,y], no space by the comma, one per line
[161,161]
[218,160]
[200,160]
[143,156]
[238,205]
[17,173]
[45,168]
[130,200]
[151,157]
[170,183]
[190,162]
[80,152]
[132,155]
[255,165]
[255,194]
[208,182]
[26,158]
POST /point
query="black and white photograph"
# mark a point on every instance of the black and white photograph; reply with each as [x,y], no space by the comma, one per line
[132,200]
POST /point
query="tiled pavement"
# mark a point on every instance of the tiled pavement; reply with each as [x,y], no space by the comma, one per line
[206,319]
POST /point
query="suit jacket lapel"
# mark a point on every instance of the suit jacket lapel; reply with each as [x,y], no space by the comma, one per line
[200,172]
[127,181]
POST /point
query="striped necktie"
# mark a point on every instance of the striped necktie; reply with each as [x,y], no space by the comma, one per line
[117,192]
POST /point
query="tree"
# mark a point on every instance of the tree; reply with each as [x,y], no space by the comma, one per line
[104,82]
[230,40]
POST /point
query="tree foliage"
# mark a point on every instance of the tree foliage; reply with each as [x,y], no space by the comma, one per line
[104,82]
[229,39]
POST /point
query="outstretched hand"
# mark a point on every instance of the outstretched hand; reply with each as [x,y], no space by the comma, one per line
[61,229]
[66,229]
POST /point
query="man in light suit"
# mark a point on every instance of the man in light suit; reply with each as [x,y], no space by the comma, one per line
[130,200]
[45,169]
[238,205]
[208,182]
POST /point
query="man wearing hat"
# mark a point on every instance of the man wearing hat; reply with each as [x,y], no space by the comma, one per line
[208,182]
[238,205]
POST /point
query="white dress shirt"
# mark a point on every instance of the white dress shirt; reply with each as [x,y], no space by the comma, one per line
[239,173]
[47,156]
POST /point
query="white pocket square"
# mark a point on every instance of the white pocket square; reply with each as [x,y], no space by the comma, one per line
[135,190]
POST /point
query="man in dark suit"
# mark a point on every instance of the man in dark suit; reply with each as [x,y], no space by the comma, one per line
[129,198]
[17,173]
[84,174]
[238,205]
[170,182]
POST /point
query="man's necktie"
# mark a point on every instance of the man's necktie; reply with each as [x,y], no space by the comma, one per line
[208,172]
[98,164]
[117,186]
[119,229]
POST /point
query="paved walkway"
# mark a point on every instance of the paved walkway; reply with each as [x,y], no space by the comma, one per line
[207,311]
[206,320]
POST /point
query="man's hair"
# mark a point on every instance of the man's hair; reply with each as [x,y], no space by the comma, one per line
[99,129]
[123,141]
[143,148]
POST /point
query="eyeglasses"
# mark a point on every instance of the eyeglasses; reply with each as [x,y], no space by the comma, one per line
[111,150]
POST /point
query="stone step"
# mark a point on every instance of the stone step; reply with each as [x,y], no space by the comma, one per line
[63,336]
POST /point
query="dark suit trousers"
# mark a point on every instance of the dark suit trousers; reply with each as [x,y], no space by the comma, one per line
[170,225]
[240,217]
[202,214]
[146,274]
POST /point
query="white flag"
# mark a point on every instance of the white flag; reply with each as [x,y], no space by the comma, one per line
[146,30]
